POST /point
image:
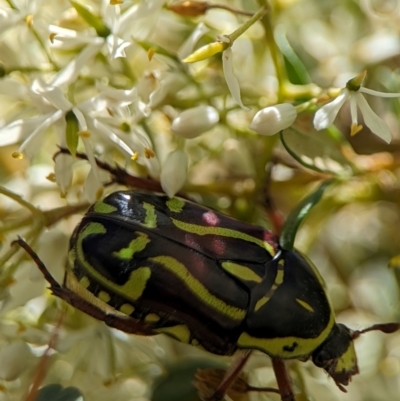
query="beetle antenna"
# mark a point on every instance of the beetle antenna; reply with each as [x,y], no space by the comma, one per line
[384,327]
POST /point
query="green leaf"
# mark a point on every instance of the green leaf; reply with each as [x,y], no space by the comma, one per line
[71,133]
[177,384]
[55,392]
[296,70]
[93,20]
[298,214]
[320,151]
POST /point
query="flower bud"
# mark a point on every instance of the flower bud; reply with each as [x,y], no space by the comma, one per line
[206,52]
[174,171]
[271,120]
[193,122]
[14,360]
[189,8]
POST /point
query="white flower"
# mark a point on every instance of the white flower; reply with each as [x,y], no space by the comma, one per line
[193,122]
[325,116]
[54,108]
[273,119]
[137,22]
[174,171]
[230,77]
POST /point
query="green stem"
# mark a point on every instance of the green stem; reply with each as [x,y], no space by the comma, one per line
[230,9]
[17,198]
[243,28]
[15,225]
[276,55]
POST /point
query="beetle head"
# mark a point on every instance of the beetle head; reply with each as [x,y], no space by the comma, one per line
[337,354]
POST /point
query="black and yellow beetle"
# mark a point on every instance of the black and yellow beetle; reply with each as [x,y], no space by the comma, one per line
[147,264]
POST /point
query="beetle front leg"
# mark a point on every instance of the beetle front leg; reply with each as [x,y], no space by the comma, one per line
[120,322]
[283,379]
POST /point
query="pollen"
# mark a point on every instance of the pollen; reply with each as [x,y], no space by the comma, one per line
[84,134]
[151,53]
[29,20]
[355,129]
[149,153]
[52,36]
[17,155]
[51,177]
[135,156]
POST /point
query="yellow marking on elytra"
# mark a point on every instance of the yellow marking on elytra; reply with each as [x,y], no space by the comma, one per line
[150,220]
[134,286]
[280,274]
[103,208]
[222,232]
[305,305]
[275,346]
[84,282]
[180,332]
[136,245]
[71,257]
[152,318]
[261,302]
[104,296]
[198,289]
[136,283]
[92,228]
[240,271]
[175,205]
[127,309]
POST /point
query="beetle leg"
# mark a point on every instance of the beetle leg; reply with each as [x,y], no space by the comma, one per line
[230,376]
[120,322]
[283,379]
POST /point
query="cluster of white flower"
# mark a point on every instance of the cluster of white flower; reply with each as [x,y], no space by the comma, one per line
[96,120]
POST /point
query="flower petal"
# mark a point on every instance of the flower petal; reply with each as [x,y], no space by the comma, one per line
[52,94]
[29,146]
[188,46]
[116,46]
[353,110]
[377,93]
[372,120]
[19,130]
[174,171]
[325,116]
[63,172]
[231,80]
[13,359]
[93,189]
[71,71]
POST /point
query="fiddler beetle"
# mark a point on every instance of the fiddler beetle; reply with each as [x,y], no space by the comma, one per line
[147,264]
